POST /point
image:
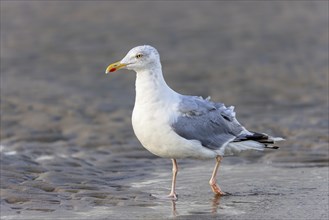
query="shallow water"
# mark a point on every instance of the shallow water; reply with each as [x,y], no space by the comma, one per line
[67,147]
[78,187]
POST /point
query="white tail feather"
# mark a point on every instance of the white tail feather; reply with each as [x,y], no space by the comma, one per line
[236,147]
[275,139]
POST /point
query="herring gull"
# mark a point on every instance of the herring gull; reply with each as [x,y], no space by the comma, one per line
[171,125]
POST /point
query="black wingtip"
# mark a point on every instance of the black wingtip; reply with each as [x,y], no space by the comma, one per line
[273,147]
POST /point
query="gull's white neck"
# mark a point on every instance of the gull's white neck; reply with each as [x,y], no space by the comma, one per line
[151,87]
[154,112]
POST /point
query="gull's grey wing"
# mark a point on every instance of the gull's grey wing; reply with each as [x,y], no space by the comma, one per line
[210,123]
[194,105]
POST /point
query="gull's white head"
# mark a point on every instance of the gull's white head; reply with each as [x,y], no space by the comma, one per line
[138,59]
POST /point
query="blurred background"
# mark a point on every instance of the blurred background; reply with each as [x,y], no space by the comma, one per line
[59,111]
[268,59]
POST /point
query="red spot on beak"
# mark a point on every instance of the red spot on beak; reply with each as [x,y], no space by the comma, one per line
[113,69]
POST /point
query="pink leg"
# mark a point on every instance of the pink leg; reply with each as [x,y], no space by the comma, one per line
[172,194]
[213,184]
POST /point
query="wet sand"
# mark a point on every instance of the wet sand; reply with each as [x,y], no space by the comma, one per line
[67,147]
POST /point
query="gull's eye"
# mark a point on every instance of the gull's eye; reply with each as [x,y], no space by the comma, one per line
[139,55]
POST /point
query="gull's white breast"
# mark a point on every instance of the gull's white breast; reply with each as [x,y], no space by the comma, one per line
[151,122]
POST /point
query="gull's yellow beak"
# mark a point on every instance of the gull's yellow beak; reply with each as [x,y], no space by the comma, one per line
[114,67]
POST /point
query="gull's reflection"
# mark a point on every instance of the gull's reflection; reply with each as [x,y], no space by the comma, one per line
[173,208]
[215,203]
